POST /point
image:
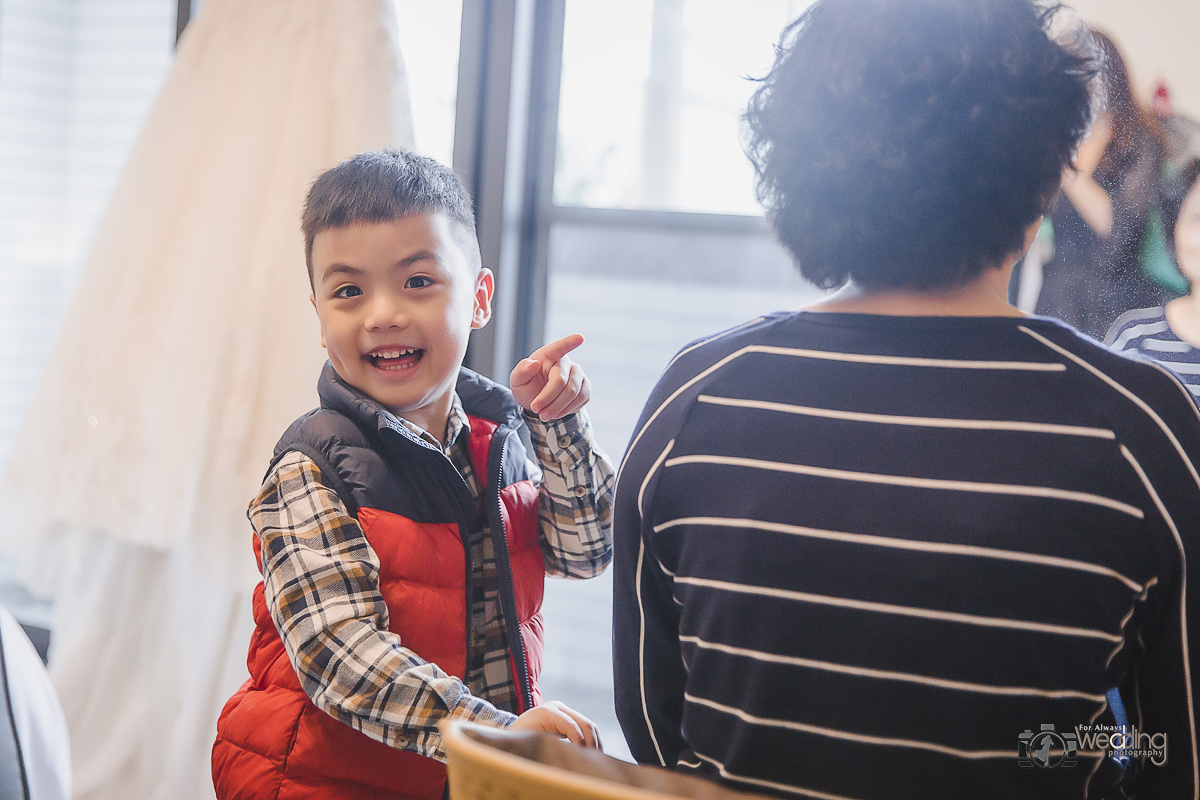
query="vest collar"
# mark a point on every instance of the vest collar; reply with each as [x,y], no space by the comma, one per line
[480,397]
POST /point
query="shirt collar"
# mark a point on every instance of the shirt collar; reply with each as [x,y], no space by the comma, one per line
[456,423]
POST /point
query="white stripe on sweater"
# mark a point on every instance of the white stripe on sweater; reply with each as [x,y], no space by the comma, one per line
[712,338]
[908,361]
[1134,331]
[1032,366]
[1166,346]
[923,483]
[1150,412]
[905,611]
[833,733]
[905,544]
[765,784]
[926,422]
[642,652]
[881,674]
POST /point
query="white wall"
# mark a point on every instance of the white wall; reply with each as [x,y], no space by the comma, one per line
[1160,40]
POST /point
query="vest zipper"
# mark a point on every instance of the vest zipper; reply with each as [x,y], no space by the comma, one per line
[516,640]
[464,519]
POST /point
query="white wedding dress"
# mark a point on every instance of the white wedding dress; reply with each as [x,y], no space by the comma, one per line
[188,347]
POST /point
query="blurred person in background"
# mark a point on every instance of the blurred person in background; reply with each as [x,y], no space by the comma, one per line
[1170,333]
[1100,221]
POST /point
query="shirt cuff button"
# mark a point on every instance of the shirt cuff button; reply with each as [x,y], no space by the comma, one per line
[564,441]
[580,491]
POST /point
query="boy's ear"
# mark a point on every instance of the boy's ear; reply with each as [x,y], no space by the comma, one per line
[485,284]
[312,298]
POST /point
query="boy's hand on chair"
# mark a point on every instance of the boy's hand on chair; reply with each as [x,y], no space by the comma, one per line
[554,717]
[550,384]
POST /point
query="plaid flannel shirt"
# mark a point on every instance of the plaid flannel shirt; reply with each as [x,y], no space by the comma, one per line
[321,582]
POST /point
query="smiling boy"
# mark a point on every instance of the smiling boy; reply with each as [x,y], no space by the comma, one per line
[402,532]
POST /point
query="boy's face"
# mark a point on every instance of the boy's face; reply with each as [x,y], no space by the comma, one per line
[397,302]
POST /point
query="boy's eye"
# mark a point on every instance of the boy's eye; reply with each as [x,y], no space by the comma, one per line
[348,291]
[418,282]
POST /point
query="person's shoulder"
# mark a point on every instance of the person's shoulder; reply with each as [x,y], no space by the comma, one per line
[291,476]
[709,351]
[325,447]
[1135,323]
[1074,347]
[1153,389]
[698,362]
[289,468]
[321,428]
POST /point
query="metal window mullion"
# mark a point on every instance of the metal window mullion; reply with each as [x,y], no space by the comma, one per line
[183,15]
[546,75]
[503,150]
[663,220]
[481,135]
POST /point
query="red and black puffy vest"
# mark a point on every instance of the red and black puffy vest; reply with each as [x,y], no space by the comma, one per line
[416,511]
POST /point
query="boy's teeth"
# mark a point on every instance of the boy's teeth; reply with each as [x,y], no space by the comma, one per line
[395,353]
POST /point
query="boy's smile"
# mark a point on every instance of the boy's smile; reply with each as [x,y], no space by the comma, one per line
[397,302]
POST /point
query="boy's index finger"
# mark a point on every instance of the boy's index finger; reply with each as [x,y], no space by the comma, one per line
[554,351]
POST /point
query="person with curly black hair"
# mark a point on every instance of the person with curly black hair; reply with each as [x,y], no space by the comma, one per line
[910,542]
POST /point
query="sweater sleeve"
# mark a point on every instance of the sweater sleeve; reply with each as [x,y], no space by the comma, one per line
[648,670]
[1162,681]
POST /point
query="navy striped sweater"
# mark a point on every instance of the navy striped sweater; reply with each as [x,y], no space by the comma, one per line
[871,557]
[1145,331]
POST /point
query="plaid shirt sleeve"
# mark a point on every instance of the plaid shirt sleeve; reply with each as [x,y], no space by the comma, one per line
[576,496]
[321,580]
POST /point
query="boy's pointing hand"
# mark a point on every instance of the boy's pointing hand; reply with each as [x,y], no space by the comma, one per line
[550,384]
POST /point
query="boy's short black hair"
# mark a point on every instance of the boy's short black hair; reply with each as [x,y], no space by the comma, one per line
[910,143]
[384,186]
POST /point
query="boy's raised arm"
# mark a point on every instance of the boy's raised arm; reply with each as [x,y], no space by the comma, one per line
[575,507]
[576,493]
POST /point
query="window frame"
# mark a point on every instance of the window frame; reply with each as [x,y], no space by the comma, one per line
[506,136]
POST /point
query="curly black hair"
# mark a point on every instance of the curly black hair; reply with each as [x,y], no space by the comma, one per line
[910,143]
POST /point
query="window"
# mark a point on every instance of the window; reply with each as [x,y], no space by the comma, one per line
[652,97]
[428,34]
[76,81]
